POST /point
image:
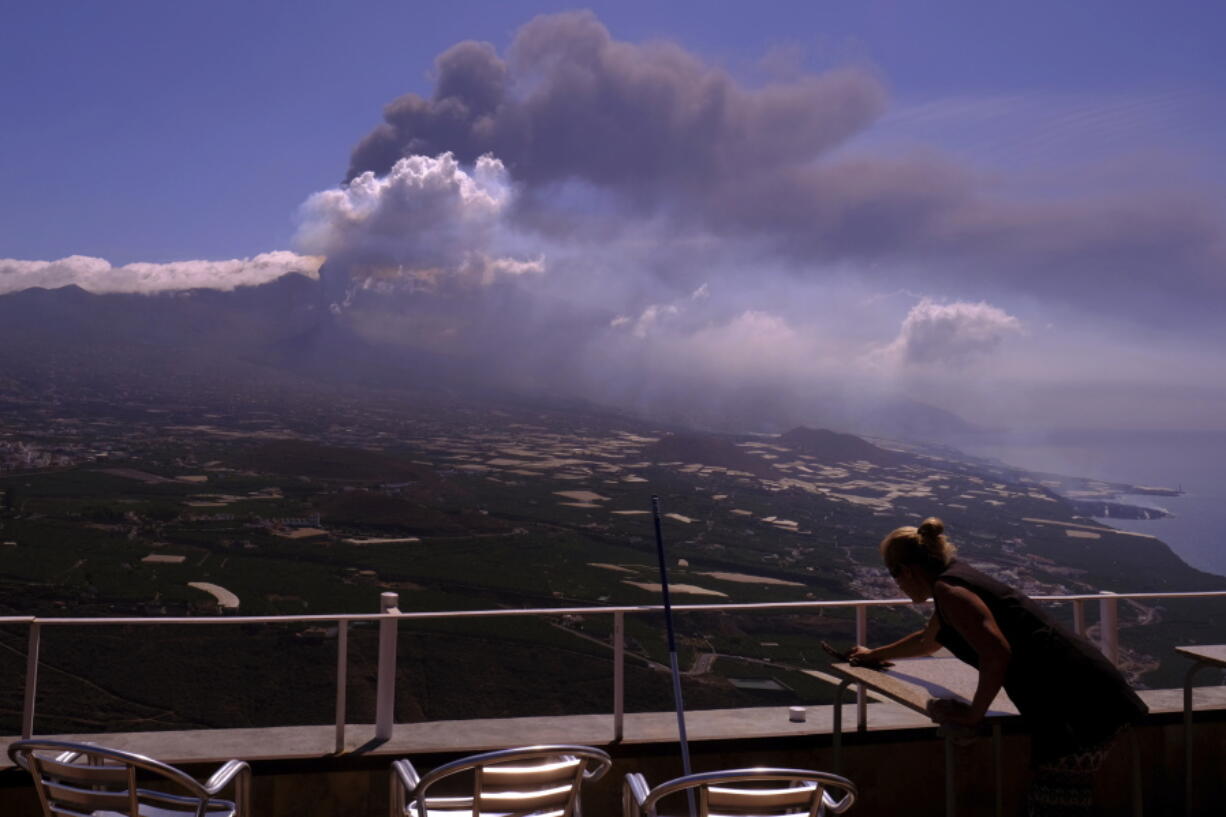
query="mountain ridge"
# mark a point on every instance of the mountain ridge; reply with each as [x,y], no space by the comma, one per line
[283,332]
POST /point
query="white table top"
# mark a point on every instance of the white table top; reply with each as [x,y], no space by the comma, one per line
[913,682]
[1205,653]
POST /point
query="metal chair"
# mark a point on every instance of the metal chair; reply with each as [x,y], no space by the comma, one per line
[542,781]
[85,779]
[758,792]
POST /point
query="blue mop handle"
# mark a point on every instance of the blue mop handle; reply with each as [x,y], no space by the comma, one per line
[672,647]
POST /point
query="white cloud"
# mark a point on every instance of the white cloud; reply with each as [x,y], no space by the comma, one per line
[648,321]
[954,334]
[427,222]
[488,269]
[98,276]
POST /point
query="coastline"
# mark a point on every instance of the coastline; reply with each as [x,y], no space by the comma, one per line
[1182,474]
[1189,529]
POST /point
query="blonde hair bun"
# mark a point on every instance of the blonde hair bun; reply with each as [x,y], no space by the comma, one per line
[925,545]
[931,528]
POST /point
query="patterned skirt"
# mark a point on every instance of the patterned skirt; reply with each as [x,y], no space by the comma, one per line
[1064,786]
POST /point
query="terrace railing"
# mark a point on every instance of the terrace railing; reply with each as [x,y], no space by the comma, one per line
[390,617]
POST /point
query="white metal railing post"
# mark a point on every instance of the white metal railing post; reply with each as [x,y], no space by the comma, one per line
[342,681]
[1109,626]
[385,691]
[27,711]
[1079,616]
[861,697]
[619,675]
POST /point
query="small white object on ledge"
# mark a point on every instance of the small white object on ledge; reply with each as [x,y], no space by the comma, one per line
[796,714]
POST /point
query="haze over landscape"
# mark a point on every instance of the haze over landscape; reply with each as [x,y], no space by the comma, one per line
[311,290]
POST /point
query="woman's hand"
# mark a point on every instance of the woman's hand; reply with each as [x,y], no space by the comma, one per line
[948,711]
[860,654]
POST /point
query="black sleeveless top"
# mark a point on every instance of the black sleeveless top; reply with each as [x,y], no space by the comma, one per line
[1070,696]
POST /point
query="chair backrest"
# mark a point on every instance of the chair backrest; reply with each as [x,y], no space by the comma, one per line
[543,781]
[75,778]
[757,792]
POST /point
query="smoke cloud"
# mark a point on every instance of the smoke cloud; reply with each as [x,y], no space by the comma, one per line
[633,224]
[603,137]
[571,103]
[98,276]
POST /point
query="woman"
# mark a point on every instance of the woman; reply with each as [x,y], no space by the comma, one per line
[1074,701]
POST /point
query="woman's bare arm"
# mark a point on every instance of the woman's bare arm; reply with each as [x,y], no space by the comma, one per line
[920,642]
[967,614]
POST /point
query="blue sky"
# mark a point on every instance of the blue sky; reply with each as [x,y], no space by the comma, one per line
[1017,206]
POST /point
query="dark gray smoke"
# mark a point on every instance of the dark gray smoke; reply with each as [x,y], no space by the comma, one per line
[570,103]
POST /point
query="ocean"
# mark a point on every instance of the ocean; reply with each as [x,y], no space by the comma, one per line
[1192,460]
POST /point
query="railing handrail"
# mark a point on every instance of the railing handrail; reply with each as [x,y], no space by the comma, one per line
[539,611]
[391,616]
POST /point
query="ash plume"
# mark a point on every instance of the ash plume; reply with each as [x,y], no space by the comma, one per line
[602,136]
[632,223]
[569,102]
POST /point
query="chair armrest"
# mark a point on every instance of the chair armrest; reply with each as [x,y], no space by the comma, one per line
[409,778]
[238,772]
[222,777]
[72,756]
[596,768]
[634,793]
[842,804]
[404,784]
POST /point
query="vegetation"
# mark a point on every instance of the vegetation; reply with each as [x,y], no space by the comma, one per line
[506,508]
